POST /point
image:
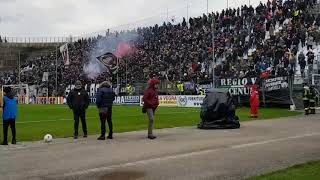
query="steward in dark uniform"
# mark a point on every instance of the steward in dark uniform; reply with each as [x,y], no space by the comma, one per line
[312,100]
[306,100]
[129,90]
[202,92]
[78,100]
[180,87]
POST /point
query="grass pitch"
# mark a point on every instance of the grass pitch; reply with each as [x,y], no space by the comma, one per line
[34,121]
[309,171]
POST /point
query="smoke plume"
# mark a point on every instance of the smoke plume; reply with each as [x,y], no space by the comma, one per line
[116,43]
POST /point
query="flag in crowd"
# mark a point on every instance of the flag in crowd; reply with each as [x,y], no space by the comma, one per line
[65,54]
[110,61]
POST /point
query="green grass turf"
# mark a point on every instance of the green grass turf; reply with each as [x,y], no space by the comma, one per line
[34,121]
[309,171]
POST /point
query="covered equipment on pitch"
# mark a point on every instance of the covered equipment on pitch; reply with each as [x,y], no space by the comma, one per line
[218,111]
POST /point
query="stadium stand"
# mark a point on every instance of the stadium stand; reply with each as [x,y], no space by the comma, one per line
[276,39]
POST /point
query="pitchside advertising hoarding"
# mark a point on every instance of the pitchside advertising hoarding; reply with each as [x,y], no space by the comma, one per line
[123,100]
[190,101]
[48,100]
[178,101]
[167,101]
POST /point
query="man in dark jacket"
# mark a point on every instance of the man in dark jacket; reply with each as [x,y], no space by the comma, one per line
[302,62]
[78,100]
[151,102]
[104,100]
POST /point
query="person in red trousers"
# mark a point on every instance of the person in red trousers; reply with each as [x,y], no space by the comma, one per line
[254,102]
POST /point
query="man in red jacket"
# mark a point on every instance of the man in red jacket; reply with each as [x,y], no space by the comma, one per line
[151,102]
[254,102]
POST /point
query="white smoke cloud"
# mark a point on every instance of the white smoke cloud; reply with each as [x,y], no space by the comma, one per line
[104,45]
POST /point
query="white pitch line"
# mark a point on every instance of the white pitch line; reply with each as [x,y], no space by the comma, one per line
[273,140]
[172,157]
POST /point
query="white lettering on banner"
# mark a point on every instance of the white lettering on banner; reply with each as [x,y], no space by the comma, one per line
[223,82]
[237,86]
[240,91]
[228,82]
[276,83]
[236,82]
[205,86]
[92,89]
[69,88]
[123,100]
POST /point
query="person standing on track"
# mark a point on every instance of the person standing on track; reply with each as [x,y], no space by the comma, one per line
[312,100]
[151,102]
[78,100]
[104,101]
[254,102]
[306,98]
[9,115]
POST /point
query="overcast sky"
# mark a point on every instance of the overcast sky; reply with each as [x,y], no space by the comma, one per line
[27,18]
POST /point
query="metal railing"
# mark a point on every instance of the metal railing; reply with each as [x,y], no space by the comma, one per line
[33,40]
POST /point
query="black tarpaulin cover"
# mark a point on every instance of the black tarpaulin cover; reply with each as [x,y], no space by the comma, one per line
[218,111]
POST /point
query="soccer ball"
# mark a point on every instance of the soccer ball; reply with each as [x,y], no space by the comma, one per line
[47,138]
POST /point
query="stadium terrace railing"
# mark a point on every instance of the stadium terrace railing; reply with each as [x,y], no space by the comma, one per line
[34,40]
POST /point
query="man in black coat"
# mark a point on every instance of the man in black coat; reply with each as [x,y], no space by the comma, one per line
[104,100]
[78,100]
[302,62]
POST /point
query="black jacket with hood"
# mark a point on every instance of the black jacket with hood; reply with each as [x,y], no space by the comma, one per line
[78,100]
[105,95]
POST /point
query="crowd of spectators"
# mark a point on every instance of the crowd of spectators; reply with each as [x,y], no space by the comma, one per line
[248,42]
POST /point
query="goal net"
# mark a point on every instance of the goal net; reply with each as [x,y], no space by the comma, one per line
[20,91]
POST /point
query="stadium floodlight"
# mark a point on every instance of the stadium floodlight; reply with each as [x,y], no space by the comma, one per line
[21,91]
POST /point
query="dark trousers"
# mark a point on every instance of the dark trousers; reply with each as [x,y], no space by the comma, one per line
[312,107]
[302,71]
[80,115]
[6,124]
[106,115]
[306,104]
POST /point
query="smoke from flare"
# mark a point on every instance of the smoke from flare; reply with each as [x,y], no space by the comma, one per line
[118,44]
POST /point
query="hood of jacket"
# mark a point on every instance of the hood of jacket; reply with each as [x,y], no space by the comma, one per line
[10,95]
[153,82]
[105,84]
